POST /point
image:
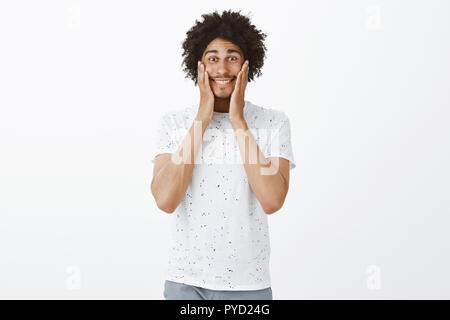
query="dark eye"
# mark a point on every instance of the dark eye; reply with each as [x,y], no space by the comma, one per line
[216,58]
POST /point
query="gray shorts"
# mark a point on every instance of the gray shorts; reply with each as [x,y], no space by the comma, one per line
[181,291]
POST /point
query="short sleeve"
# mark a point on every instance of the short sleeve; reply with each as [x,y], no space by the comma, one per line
[165,140]
[280,142]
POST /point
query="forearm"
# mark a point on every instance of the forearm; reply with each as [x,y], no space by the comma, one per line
[170,184]
[266,181]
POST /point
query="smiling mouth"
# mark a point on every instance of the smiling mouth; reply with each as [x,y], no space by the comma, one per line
[223,82]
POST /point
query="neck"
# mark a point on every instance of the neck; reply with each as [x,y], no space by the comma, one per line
[221,105]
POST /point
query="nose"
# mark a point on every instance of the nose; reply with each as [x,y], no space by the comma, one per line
[222,69]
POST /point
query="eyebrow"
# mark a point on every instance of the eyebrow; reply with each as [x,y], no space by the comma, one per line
[228,51]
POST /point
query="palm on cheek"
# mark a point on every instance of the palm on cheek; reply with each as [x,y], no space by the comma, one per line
[237,97]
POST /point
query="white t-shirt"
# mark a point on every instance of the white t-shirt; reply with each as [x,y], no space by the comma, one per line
[220,233]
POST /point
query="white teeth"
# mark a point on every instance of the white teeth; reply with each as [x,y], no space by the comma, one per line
[222,82]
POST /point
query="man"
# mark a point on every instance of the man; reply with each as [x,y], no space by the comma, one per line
[220,181]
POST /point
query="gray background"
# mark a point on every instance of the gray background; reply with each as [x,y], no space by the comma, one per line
[366,85]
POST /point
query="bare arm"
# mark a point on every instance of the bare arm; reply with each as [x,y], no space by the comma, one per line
[268,177]
[172,173]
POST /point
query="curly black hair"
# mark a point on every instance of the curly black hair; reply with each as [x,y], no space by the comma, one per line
[230,26]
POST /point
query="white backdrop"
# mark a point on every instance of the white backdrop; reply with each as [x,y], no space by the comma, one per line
[366,85]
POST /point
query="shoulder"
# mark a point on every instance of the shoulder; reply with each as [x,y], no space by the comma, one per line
[178,116]
[178,112]
[273,116]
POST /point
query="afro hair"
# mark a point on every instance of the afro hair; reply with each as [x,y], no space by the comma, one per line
[230,26]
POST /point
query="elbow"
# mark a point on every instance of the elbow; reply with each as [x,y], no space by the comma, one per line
[167,209]
[163,204]
[274,204]
[272,207]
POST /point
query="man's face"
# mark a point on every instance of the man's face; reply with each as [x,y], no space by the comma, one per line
[223,61]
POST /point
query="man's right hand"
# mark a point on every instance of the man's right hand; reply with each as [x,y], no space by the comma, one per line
[206,108]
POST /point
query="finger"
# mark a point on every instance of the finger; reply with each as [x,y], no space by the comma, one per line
[246,74]
[200,73]
[206,79]
[238,81]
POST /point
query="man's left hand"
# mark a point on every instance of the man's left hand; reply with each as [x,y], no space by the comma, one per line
[237,97]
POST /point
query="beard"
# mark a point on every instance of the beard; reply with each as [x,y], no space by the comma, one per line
[222,95]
